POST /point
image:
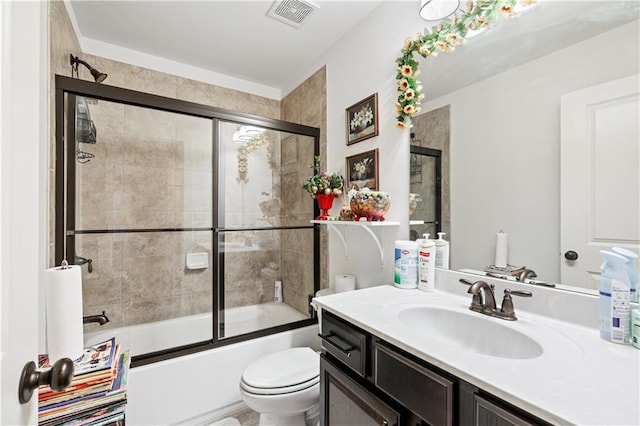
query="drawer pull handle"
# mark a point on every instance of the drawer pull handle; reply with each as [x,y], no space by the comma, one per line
[345,349]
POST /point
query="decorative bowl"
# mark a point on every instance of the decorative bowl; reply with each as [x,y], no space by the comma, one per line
[371,205]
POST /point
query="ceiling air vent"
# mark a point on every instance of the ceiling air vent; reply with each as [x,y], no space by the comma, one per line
[292,12]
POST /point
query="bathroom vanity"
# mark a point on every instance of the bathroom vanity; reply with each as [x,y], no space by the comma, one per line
[406,357]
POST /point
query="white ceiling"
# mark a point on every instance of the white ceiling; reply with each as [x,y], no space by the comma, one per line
[550,26]
[234,38]
[237,38]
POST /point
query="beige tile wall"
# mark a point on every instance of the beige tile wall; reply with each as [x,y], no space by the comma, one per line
[162,178]
[305,105]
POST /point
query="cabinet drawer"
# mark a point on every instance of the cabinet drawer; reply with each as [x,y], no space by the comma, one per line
[345,342]
[424,392]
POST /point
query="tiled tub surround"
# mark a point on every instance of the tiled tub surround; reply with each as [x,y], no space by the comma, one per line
[579,378]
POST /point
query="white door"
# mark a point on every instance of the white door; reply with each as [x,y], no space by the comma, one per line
[23,210]
[600,173]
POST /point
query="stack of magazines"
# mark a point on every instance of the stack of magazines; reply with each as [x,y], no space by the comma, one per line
[97,394]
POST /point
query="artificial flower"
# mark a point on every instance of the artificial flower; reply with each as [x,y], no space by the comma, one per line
[443,37]
[323,182]
[406,70]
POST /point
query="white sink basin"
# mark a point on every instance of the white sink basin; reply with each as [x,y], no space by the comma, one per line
[469,331]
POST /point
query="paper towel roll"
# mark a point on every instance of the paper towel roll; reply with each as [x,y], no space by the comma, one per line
[64,313]
[344,283]
[501,249]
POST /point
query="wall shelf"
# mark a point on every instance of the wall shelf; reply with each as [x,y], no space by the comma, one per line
[341,228]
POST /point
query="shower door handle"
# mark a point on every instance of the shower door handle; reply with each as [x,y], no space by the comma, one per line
[337,343]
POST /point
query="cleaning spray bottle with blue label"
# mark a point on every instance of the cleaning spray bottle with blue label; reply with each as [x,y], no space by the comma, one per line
[614,298]
[632,270]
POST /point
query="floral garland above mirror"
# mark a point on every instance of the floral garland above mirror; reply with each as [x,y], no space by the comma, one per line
[444,37]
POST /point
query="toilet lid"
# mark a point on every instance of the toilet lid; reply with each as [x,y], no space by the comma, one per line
[286,368]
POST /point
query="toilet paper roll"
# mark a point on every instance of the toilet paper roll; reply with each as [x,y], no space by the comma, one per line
[344,283]
[64,313]
[501,249]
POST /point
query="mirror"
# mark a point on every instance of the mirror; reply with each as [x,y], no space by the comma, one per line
[504,89]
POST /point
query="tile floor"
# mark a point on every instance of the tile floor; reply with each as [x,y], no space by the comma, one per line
[245,417]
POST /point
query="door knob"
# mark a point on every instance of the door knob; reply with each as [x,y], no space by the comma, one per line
[571,255]
[57,377]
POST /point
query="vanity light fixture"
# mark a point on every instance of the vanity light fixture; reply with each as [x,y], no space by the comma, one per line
[436,10]
[236,137]
[97,75]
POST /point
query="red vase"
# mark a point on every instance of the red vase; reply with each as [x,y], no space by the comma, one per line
[325,202]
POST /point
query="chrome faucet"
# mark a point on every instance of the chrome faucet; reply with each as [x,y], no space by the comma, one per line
[480,288]
[489,297]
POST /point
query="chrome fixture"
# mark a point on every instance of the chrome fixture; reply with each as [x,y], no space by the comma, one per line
[101,319]
[97,75]
[489,308]
[437,10]
[525,274]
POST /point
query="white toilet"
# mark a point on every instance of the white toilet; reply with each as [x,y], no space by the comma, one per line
[283,386]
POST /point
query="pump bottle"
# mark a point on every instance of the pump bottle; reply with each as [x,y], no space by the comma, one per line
[426,264]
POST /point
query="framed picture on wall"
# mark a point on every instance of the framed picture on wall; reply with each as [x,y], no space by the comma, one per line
[362,120]
[362,170]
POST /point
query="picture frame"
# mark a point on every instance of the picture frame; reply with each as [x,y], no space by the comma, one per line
[362,120]
[362,170]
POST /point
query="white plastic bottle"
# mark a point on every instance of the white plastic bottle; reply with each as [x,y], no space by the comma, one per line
[442,252]
[632,270]
[426,264]
[613,303]
[277,292]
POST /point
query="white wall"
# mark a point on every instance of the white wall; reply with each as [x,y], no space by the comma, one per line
[360,64]
[505,150]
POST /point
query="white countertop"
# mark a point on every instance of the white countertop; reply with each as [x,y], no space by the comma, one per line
[578,379]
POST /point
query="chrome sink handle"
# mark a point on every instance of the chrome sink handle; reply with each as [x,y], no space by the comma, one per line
[507,310]
[477,302]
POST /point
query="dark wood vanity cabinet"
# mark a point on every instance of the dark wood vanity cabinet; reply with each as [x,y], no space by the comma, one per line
[345,402]
[367,381]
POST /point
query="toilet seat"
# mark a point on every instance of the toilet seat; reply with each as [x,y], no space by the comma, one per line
[282,390]
[288,371]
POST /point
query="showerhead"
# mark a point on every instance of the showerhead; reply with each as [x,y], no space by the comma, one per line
[97,75]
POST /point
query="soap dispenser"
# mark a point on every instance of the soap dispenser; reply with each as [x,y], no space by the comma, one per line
[442,252]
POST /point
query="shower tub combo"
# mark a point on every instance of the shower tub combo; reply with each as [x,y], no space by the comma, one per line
[146,184]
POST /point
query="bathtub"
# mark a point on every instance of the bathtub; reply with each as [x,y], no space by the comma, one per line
[166,334]
[203,386]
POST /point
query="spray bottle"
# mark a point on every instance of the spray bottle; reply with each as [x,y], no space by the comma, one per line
[614,298]
[426,264]
[442,252]
[634,276]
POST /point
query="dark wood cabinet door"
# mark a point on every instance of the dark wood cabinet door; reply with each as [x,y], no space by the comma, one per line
[489,414]
[344,402]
